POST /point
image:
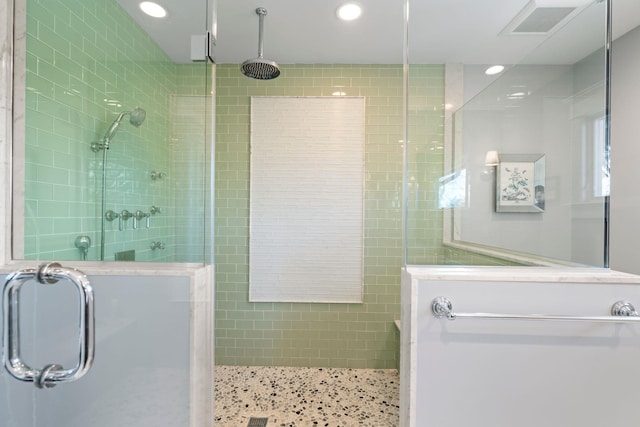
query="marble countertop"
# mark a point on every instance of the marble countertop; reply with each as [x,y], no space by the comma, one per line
[521,274]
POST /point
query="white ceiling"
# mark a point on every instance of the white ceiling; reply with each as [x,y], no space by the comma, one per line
[440,31]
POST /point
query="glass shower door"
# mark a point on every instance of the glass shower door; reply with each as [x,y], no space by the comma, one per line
[111,131]
[140,375]
[83,71]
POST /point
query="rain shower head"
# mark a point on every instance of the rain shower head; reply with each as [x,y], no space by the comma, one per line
[260,68]
[136,117]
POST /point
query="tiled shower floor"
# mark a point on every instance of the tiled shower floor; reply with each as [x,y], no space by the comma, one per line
[301,397]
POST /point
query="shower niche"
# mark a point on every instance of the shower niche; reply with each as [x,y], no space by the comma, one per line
[111,144]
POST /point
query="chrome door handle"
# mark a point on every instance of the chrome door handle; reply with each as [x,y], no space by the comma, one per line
[51,374]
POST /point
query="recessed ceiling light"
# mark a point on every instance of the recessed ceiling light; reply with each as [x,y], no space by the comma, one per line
[349,11]
[153,9]
[496,69]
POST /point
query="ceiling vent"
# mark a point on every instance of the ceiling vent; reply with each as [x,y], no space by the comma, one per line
[543,17]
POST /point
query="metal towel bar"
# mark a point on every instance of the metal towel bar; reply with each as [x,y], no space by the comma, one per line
[621,312]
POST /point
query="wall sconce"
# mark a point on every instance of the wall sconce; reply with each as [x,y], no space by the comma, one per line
[491,158]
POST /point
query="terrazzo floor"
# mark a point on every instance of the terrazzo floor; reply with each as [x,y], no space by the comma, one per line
[301,397]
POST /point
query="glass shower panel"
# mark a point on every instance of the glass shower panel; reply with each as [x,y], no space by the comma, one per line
[114,128]
[513,168]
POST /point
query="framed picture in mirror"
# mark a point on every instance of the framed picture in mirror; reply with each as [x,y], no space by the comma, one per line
[520,183]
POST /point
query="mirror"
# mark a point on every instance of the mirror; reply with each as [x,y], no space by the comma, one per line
[549,100]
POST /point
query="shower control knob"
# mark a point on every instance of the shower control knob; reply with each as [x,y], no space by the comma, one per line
[111,215]
[124,216]
[83,243]
[137,217]
[156,245]
[155,210]
[158,175]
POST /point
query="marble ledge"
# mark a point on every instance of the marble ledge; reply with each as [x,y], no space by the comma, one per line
[117,268]
[520,274]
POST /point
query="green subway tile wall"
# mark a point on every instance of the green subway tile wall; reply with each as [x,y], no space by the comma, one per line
[87,61]
[302,334]
[336,335]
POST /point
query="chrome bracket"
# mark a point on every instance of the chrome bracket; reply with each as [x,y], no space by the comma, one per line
[442,307]
[623,308]
[42,379]
[99,146]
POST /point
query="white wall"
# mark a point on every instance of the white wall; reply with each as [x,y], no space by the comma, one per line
[625,153]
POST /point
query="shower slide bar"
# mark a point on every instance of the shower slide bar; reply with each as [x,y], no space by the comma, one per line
[621,312]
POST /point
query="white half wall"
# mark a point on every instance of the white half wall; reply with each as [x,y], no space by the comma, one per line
[153,353]
[505,373]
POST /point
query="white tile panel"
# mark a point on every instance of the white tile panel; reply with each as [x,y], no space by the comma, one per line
[306,204]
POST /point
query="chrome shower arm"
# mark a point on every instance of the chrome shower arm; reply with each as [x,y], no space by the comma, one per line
[261,11]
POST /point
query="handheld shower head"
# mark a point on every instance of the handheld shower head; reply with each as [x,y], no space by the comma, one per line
[136,117]
[260,68]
